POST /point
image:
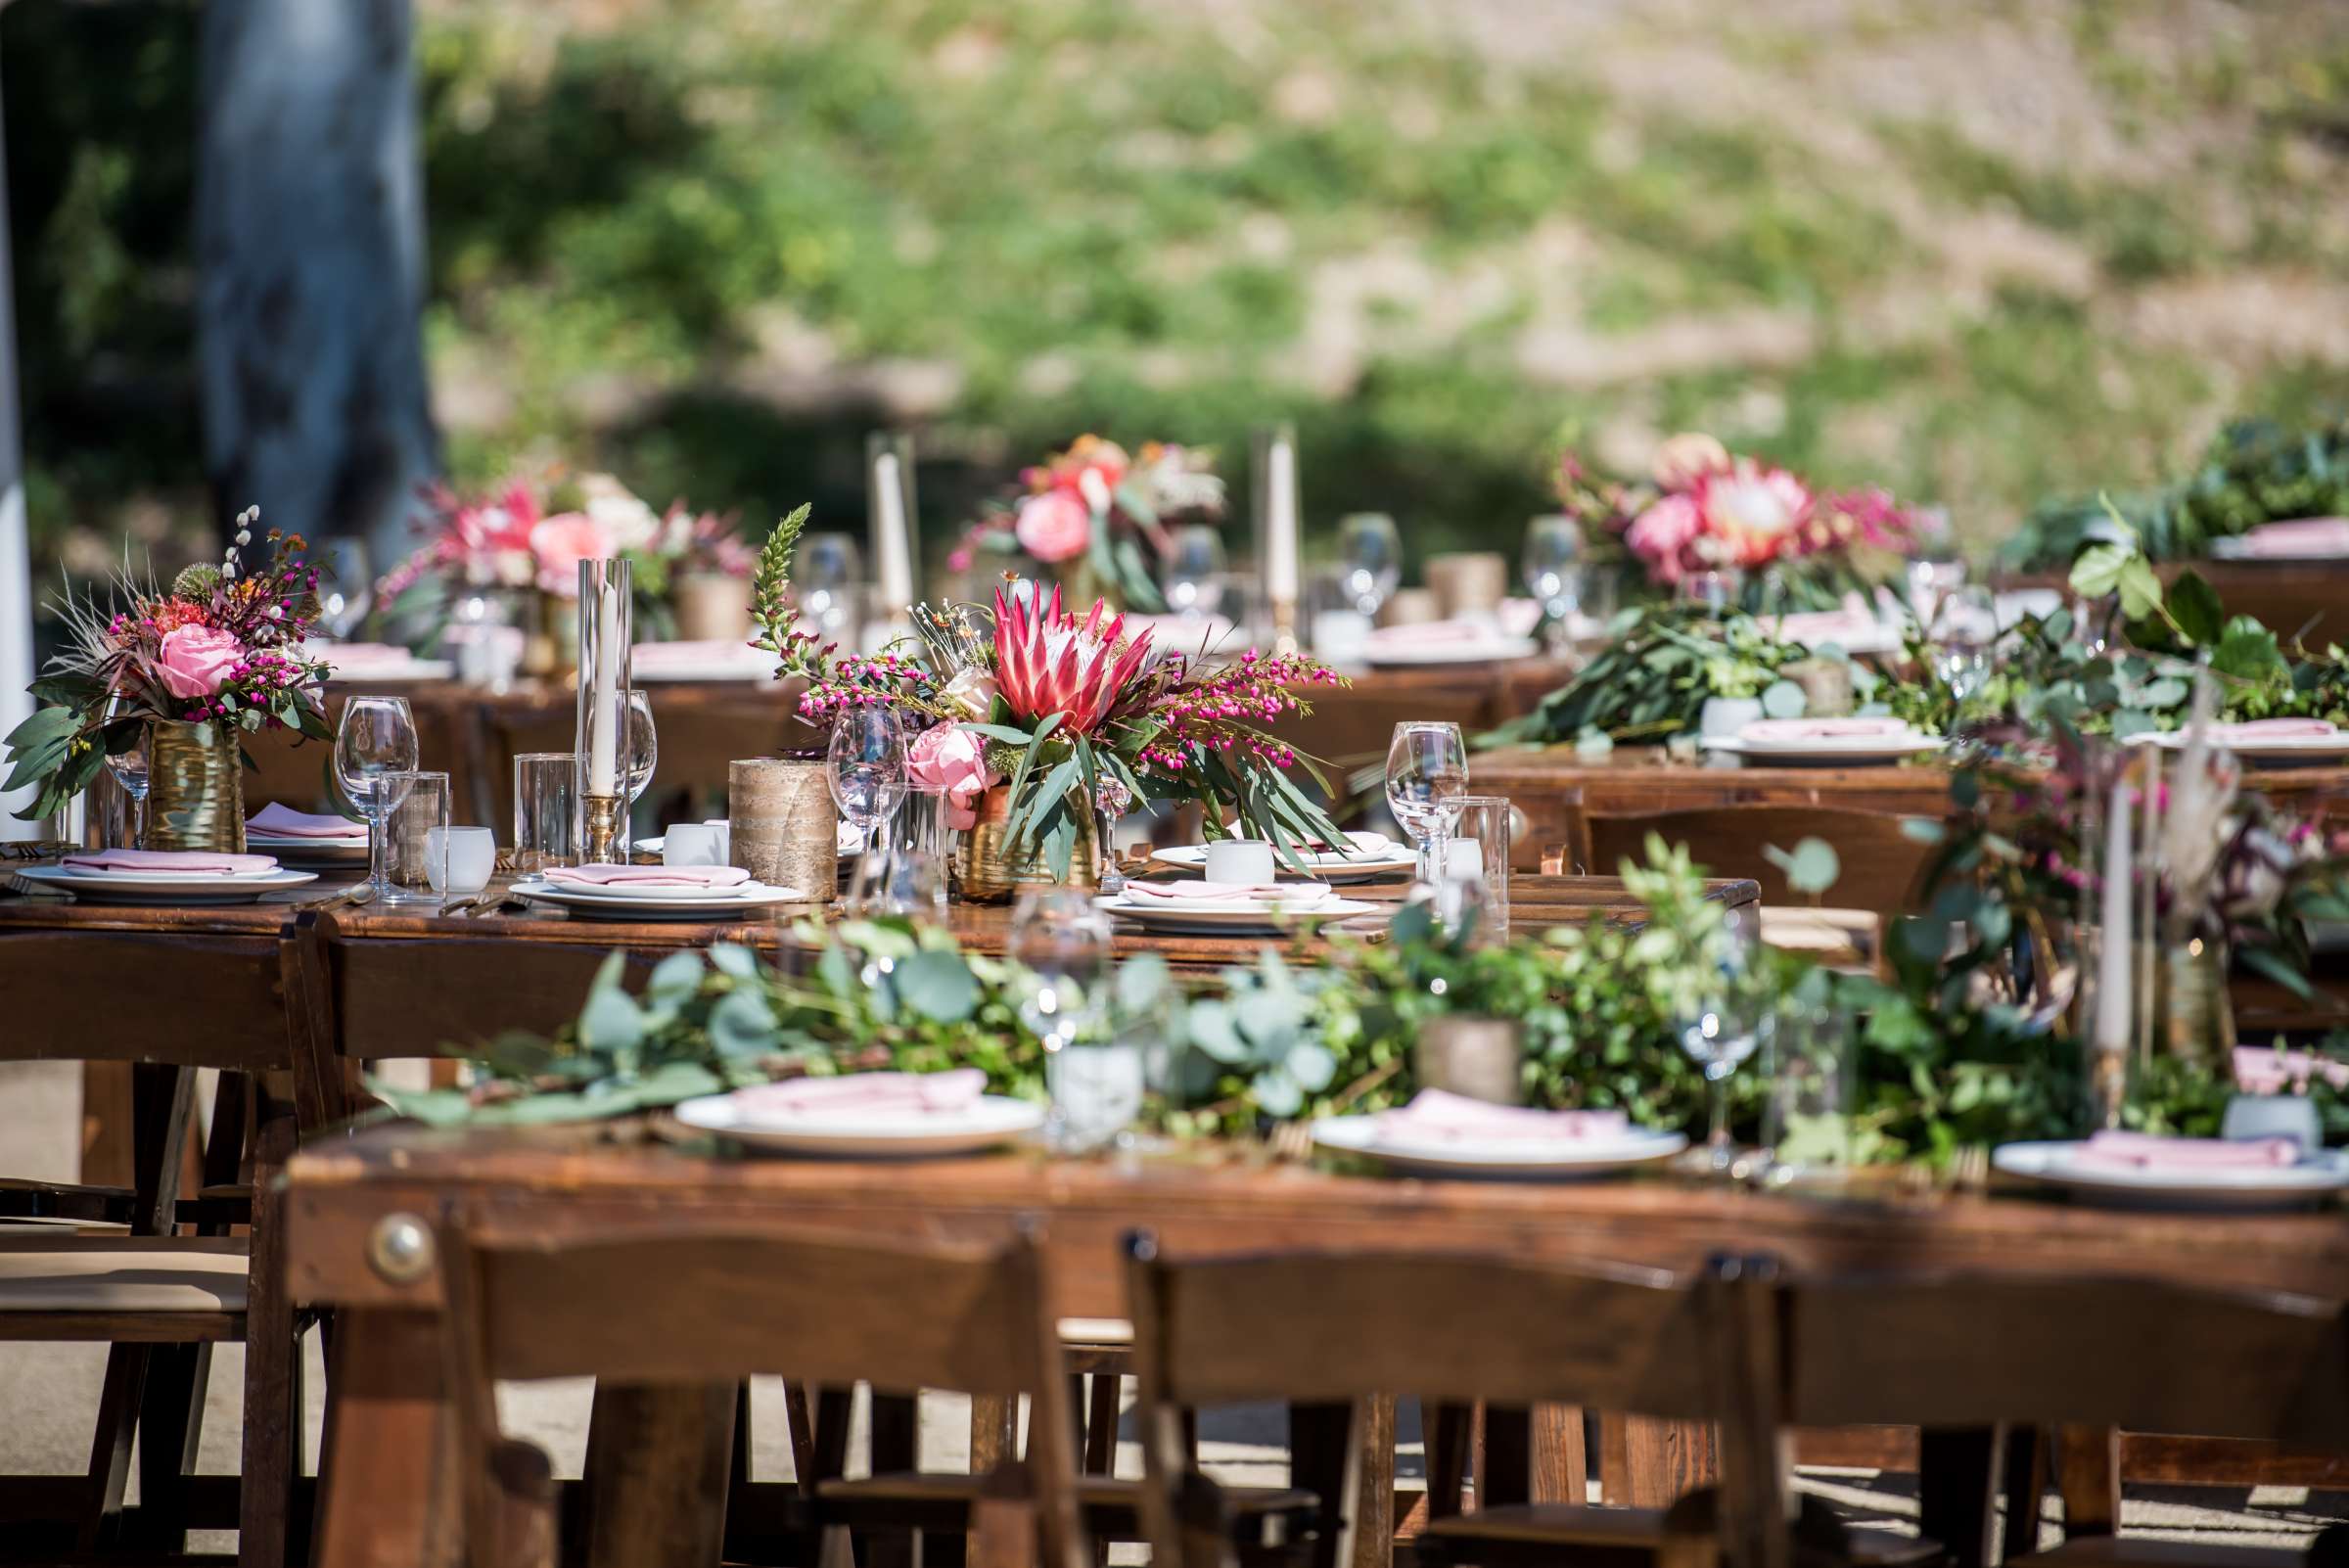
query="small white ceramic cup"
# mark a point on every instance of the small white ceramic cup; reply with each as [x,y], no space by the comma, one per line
[459,860]
[1247,862]
[692,843]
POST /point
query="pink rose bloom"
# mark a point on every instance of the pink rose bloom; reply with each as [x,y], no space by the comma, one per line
[196,660]
[1662,534]
[1053,526]
[950,761]
[559,543]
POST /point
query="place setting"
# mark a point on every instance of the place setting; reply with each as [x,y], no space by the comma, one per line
[890,1116]
[1364,857]
[1239,892]
[1858,741]
[611,892]
[194,878]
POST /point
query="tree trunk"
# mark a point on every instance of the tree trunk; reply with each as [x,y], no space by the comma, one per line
[311,263]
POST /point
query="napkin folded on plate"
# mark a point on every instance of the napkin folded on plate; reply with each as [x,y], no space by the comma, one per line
[1787,730]
[2260,1070]
[1361,846]
[646,876]
[2146,1151]
[284,822]
[1437,634]
[1435,1115]
[865,1094]
[2303,536]
[207,861]
[709,649]
[1811,628]
[359,655]
[1297,893]
[2271,729]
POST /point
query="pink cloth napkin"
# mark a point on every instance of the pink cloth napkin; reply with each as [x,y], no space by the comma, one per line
[1437,1115]
[1786,729]
[284,822]
[865,1094]
[226,865]
[2269,729]
[2303,536]
[1285,893]
[647,876]
[2259,1069]
[1810,626]
[2145,1151]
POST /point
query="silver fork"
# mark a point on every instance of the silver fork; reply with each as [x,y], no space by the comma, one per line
[1292,1143]
[31,889]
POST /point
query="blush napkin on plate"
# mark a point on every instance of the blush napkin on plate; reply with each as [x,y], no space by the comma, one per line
[646,876]
[865,1094]
[1438,1116]
[189,861]
[2146,1151]
[2301,536]
[284,822]
[1302,895]
[1793,729]
[2272,729]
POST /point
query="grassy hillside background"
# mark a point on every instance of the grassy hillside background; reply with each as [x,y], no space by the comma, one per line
[1976,253]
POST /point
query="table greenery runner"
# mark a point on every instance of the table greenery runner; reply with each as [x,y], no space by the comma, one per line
[1075,715]
[221,646]
[1097,520]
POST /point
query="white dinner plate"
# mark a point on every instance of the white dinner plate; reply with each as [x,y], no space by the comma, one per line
[2276,752]
[990,1119]
[1399,656]
[164,887]
[754,666]
[1830,750]
[2241,1188]
[391,674]
[1325,865]
[1240,919]
[2239,548]
[1495,1157]
[308,851]
[663,904]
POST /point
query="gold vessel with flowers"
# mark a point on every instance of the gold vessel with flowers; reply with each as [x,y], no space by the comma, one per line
[195,788]
[987,870]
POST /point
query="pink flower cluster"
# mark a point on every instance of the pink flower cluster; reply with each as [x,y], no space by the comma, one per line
[1220,711]
[505,539]
[1710,508]
[860,680]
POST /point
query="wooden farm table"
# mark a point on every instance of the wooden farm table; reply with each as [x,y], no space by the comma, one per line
[389,1492]
[2309,599]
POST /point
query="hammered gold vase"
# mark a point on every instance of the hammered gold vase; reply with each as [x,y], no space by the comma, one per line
[989,873]
[195,788]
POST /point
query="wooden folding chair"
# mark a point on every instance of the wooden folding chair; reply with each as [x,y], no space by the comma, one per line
[1339,1327]
[698,1302]
[1973,1350]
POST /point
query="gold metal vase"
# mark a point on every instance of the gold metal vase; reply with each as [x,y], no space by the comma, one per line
[195,788]
[989,872]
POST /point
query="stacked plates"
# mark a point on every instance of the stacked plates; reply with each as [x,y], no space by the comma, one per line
[1237,916]
[192,887]
[2313,1179]
[1366,857]
[1443,642]
[639,902]
[1377,1138]
[2266,751]
[309,852]
[701,661]
[1769,749]
[990,1119]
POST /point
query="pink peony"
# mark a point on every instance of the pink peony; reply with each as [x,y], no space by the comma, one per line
[196,660]
[1661,536]
[1753,509]
[950,761]
[559,543]
[1054,525]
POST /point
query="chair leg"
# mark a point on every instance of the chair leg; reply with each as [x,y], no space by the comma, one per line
[170,1428]
[118,1402]
[1102,1425]
[272,1443]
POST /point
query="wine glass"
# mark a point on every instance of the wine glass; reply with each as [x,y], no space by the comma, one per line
[867,769]
[375,752]
[1963,632]
[1551,568]
[640,745]
[827,579]
[129,767]
[1369,559]
[1194,571]
[1427,773]
[1064,942]
[1732,1014]
[346,586]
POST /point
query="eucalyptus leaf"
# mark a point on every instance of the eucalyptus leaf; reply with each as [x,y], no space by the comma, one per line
[939,986]
[1783,699]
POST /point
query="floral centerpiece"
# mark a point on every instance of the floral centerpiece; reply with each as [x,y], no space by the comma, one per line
[1096,519]
[1703,508]
[217,655]
[1039,726]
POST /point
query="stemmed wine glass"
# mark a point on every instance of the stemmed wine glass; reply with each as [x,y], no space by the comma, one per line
[867,764]
[1370,559]
[1732,1013]
[375,752]
[1427,773]
[1552,566]
[1194,571]
[346,590]
[1963,632]
[640,745]
[129,767]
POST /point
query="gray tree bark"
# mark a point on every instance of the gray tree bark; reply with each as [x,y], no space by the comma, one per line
[312,268]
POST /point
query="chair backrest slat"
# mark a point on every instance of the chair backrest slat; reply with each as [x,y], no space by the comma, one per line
[2140,1355]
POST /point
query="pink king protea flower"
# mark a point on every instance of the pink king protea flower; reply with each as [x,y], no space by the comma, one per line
[1048,662]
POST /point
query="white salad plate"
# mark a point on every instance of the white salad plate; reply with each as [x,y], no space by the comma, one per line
[990,1119]
[1835,751]
[2233,1187]
[1242,918]
[309,852]
[1486,1156]
[164,887]
[753,665]
[2275,750]
[1402,656]
[672,903]
[1362,863]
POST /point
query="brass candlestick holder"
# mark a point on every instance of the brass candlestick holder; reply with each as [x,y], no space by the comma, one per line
[602,816]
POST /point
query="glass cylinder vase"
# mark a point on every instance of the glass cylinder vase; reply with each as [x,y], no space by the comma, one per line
[195,788]
[604,680]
